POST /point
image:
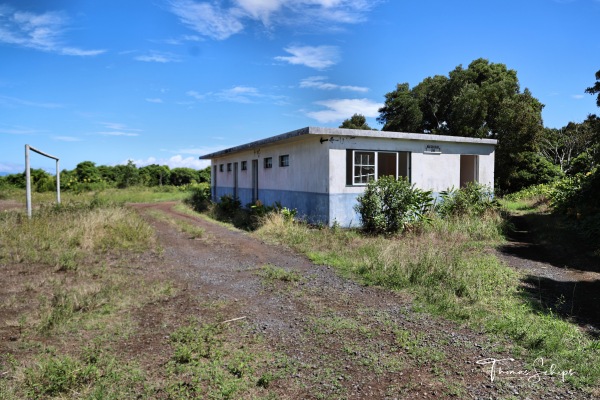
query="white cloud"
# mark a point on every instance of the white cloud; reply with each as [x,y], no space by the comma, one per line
[207,19]
[318,57]
[18,131]
[578,96]
[196,95]
[118,129]
[177,161]
[340,109]
[11,101]
[226,18]
[320,82]
[42,32]
[66,138]
[158,57]
[156,100]
[239,94]
[11,168]
[236,94]
[118,126]
[117,133]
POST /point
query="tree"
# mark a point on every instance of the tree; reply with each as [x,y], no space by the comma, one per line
[357,121]
[204,175]
[155,175]
[595,89]
[401,111]
[183,176]
[482,101]
[87,171]
[575,141]
[126,175]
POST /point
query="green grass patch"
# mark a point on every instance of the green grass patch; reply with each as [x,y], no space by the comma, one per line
[209,361]
[194,231]
[447,268]
[274,273]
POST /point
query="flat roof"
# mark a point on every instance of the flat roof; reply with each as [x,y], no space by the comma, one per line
[317,131]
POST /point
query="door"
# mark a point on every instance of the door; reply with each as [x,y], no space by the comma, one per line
[214,183]
[254,181]
[469,168]
[235,180]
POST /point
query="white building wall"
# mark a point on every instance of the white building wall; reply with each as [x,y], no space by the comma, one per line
[302,185]
[428,171]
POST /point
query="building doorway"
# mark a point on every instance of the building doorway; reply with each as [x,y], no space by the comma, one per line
[254,181]
[469,169]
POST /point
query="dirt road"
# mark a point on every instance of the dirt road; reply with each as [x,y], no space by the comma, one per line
[349,340]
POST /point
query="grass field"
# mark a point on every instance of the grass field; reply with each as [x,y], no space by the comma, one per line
[87,278]
[449,269]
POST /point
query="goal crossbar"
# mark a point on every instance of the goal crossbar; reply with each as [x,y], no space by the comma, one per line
[28,175]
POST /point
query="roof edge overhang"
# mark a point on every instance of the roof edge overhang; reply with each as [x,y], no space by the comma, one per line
[317,131]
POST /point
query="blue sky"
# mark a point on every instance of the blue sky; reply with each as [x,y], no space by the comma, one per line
[165,81]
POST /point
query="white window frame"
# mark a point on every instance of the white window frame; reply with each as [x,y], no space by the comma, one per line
[376,166]
[244,166]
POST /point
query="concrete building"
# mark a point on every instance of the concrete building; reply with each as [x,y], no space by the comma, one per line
[321,171]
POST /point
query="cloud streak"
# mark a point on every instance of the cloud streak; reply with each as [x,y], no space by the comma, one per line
[221,20]
[118,129]
[340,109]
[42,32]
[317,57]
[158,57]
[320,82]
[236,94]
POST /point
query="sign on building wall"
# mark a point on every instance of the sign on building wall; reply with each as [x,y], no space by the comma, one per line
[433,149]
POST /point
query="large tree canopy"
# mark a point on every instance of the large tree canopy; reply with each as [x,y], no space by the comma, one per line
[595,89]
[483,101]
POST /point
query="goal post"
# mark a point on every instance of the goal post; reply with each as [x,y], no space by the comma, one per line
[28,176]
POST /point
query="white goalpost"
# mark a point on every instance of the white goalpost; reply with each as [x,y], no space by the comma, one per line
[28,176]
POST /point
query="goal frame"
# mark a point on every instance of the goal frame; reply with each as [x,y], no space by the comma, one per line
[28,148]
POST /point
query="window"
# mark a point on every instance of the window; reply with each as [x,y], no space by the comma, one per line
[221,168]
[244,165]
[364,166]
[284,161]
[269,162]
[228,167]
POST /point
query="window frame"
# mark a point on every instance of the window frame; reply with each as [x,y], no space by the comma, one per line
[244,166]
[351,164]
[229,167]
[284,160]
[268,162]
[221,167]
[361,165]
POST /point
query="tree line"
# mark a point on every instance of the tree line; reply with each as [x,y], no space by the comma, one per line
[485,100]
[89,176]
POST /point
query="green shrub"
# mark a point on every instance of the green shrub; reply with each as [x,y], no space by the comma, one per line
[199,198]
[473,199]
[390,206]
[229,205]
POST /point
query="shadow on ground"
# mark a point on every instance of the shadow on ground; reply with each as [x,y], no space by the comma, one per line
[561,273]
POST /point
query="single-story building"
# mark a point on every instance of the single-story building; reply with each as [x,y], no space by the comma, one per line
[321,171]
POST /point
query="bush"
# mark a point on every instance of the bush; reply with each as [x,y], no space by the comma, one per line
[229,205]
[473,199]
[390,206]
[199,199]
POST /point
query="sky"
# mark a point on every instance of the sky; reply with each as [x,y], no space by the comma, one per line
[165,81]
